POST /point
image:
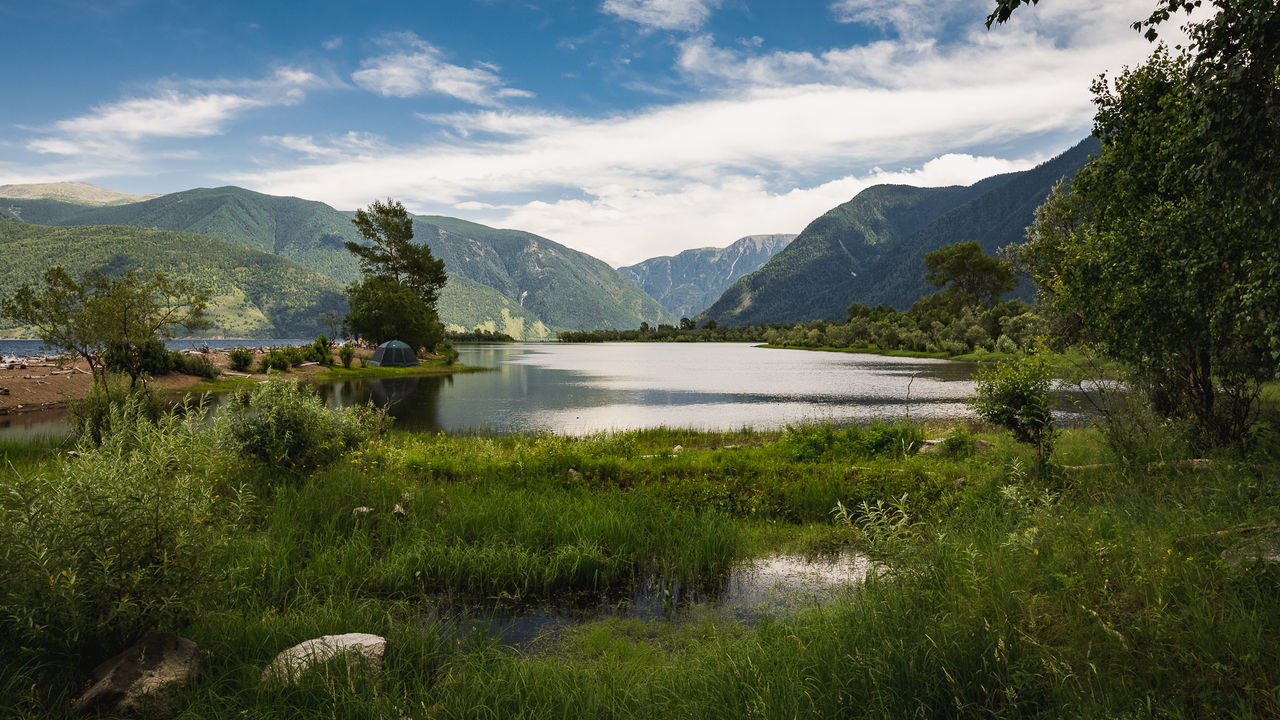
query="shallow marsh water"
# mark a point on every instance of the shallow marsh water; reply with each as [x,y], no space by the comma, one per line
[763,587]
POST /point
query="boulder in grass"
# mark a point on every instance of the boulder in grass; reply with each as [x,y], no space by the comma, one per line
[144,680]
[354,647]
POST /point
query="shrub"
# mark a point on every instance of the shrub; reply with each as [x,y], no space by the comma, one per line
[293,355]
[151,355]
[958,444]
[91,416]
[240,359]
[274,359]
[197,365]
[824,442]
[1017,394]
[287,425]
[347,354]
[446,350]
[111,543]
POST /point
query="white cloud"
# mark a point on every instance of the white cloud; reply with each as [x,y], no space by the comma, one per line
[332,43]
[778,138]
[191,109]
[662,14]
[909,18]
[415,67]
[350,144]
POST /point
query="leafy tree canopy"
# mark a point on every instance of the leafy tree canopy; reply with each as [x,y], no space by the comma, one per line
[382,310]
[392,253]
[402,280]
[127,315]
[968,276]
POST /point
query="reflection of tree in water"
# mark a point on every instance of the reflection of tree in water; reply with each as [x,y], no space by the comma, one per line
[414,402]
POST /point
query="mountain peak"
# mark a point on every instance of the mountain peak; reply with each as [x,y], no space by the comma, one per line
[76,193]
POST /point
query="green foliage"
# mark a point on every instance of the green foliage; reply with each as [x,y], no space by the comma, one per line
[196,364]
[958,444]
[92,415]
[240,359]
[929,328]
[251,294]
[1017,394]
[287,425]
[967,276]
[1193,332]
[274,359]
[149,356]
[825,442]
[1170,260]
[391,253]
[102,547]
[478,335]
[382,309]
[445,349]
[346,353]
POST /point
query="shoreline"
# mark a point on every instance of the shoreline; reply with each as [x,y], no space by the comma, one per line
[52,383]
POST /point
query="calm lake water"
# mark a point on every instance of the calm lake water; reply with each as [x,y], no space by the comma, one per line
[583,388]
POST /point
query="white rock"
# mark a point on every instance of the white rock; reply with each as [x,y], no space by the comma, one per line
[297,660]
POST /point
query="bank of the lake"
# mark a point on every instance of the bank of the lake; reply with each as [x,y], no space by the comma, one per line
[49,384]
[509,577]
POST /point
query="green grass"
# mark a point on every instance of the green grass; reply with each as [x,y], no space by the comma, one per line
[1116,592]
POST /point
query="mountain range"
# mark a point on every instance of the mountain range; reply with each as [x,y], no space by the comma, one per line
[503,280]
[871,249]
[691,281]
[275,264]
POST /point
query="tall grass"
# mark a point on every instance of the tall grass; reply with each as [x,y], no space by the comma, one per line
[1115,590]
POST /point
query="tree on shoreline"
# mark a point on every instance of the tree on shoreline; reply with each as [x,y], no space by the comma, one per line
[125,316]
[396,297]
[1166,245]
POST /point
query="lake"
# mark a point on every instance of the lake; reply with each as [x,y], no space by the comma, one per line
[577,389]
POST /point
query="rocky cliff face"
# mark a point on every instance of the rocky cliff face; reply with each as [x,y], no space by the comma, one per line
[686,284]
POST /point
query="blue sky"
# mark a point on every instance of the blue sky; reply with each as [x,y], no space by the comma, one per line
[623,128]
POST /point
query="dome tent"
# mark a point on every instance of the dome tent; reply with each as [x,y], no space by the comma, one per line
[393,353]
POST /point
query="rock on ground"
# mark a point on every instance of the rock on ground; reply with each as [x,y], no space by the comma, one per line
[292,663]
[143,680]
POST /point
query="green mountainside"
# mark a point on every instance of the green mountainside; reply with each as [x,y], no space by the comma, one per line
[689,282]
[502,280]
[871,249]
[254,294]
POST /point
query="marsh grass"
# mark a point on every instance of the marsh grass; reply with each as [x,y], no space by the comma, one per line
[1112,591]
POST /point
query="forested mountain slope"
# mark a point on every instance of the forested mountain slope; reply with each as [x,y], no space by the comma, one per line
[687,283]
[871,249]
[254,294]
[504,280]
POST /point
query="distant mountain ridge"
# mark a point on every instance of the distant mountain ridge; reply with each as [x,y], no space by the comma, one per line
[689,282]
[504,280]
[72,192]
[871,249]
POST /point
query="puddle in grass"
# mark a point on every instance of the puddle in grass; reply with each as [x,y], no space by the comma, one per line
[769,586]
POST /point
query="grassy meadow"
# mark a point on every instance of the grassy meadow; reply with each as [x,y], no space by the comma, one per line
[1098,589]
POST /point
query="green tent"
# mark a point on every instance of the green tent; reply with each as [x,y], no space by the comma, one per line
[394,353]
